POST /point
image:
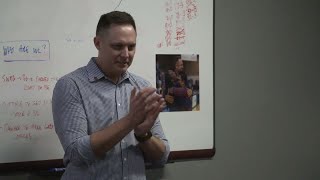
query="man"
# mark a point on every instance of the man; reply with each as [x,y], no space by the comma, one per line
[178,93]
[106,117]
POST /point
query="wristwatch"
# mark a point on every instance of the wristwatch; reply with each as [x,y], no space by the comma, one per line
[144,137]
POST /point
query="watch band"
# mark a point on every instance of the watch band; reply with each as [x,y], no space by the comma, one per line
[143,138]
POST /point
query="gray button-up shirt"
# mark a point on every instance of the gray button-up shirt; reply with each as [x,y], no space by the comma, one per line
[85,101]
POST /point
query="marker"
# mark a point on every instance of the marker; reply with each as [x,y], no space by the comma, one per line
[57,169]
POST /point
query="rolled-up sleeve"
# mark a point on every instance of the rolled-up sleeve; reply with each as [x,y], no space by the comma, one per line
[71,123]
[157,131]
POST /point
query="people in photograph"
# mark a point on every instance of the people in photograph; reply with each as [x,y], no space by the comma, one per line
[177,90]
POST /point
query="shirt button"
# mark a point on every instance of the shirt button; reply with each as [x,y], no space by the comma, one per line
[124,177]
[119,104]
[123,141]
[124,159]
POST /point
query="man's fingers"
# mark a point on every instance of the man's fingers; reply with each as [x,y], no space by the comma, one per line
[162,103]
[147,92]
[152,98]
[154,105]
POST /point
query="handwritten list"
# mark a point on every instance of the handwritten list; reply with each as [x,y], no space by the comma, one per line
[177,13]
[25,106]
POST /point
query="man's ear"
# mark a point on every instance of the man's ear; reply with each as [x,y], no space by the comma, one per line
[97,42]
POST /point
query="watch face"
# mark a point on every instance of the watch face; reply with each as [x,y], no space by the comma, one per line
[147,136]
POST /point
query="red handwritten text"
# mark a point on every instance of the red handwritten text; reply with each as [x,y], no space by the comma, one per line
[176,12]
[22,104]
[24,131]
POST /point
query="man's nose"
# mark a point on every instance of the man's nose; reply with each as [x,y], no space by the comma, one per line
[125,52]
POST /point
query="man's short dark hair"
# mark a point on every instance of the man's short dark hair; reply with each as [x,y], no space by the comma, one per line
[114,17]
[177,58]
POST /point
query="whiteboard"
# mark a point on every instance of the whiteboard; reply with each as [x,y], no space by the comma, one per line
[42,40]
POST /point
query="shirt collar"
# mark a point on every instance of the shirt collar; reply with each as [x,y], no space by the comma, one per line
[95,73]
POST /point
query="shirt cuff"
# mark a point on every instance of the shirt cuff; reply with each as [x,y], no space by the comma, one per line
[81,152]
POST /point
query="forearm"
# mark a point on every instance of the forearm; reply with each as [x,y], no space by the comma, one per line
[153,148]
[105,139]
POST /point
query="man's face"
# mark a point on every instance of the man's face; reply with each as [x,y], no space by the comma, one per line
[116,47]
[172,74]
[179,65]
